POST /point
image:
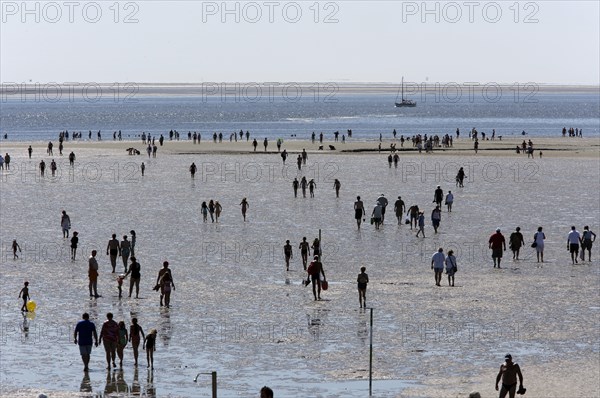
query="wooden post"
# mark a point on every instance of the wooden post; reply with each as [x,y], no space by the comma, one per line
[371,356]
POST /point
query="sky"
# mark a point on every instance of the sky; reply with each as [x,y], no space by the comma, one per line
[553,42]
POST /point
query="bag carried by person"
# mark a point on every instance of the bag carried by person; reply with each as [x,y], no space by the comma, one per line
[407,220]
[324,285]
[534,244]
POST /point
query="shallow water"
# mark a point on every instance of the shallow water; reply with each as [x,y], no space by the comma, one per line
[235,309]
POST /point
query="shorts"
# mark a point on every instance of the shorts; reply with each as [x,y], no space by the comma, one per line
[109,346]
[358,214]
[574,247]
[497,253]
[436,223]
[586,244]
[362,286]
[85,350]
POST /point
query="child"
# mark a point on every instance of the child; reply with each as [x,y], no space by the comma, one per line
[122,342]
[362,281]
[134,337]
[150,345]
[15,247]
[25,294]
[74,242]
[120,284]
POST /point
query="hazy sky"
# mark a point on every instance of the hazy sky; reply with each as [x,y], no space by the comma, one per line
[302,41]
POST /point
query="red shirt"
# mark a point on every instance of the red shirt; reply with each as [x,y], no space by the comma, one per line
[497,241]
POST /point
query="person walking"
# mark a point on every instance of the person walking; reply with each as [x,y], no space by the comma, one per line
[109,334]
[587,240]
[359,211]
[515,241]
[288,254]
[451,267]
[135,271]
[315,270]
[65,223]
[125,251]
[498,244]
[85,331]
[377,214]
[509,371]
[437,265]
[362,281]
[304,251]
[449,201]
[421,223]
[436,218]
[74,243]
[135,330]
[573,240]
[164,282]
[245,206]
[93,274]
[399,208]
[122,342]
[113,248]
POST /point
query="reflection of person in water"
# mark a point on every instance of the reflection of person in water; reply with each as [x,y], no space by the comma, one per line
[86,384]
[121,384]
[135,384]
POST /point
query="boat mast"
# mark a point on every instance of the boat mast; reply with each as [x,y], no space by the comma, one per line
[402,88]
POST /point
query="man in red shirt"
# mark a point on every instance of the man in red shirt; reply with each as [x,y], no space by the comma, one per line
[498,244]
[110,336]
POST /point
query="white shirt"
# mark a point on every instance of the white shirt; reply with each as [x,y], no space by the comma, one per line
[573,237]
[438,259]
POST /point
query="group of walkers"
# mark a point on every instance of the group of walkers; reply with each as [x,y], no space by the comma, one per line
[114,337]
[575,242]
[213,208]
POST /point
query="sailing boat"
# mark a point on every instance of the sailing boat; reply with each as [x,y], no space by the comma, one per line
[405,102]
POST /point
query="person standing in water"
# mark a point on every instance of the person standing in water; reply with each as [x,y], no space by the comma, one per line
[413,211]
[315,270]
[165,282]
[193,169]
[436,218]
[303,185]
[150,346]
[438,196]
[143,167]
[245,206]
[287,253]
[362,280]
[359,211]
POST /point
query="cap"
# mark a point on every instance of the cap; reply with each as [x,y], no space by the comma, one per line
[508,356]
[497,229]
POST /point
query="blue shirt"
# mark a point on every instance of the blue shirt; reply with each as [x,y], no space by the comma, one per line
[85,330]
